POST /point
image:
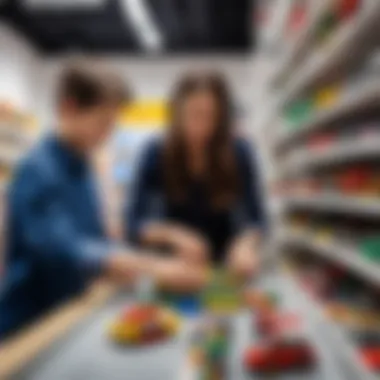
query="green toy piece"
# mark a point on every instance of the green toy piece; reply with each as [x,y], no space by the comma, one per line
[214,348]
[222,295]
[370,248]
[298,112]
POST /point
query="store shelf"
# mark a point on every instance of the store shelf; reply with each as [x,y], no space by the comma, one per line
[12,132]
[337,63]
[337,153]
[280,14]
[348,46]
[9,158]
[350,105]
[327,368]
[363,207]
[326,341]
[287,65]
[328,334]
[3,187]
[343,255]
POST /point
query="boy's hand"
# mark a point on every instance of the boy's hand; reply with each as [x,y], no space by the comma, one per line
[123,268]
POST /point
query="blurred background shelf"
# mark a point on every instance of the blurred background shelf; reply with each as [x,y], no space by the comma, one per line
[328,367]
[350,105]
[330,340]
[339,153]
[350,45]
[13,135]
[322,130]
[3,187]
[9,157]
[302,41]
[335,251]
[363,207]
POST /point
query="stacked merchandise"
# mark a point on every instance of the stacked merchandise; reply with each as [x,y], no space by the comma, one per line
[309,28]
[354,234]
[324,124]
[349,303]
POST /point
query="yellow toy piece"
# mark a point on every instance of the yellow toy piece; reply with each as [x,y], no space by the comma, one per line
[124,333]
[169,320]
[324,235]
[139,323]
[327,96]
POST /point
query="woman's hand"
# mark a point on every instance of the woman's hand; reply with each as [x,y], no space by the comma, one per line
[189,245]
[186,243]
[177,276]
[242,259]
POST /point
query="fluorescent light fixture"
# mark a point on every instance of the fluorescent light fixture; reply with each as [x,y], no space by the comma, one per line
[64,4]
[137,12]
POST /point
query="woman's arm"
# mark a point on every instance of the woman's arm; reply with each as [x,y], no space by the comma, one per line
[243,256]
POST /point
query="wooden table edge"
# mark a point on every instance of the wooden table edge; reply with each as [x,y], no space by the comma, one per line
[26,345]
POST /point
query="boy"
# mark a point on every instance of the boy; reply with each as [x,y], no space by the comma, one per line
[55,239]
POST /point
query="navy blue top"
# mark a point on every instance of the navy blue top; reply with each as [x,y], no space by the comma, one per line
[55,239]
[150,203]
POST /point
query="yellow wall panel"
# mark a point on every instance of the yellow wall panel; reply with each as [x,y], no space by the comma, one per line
[144,113]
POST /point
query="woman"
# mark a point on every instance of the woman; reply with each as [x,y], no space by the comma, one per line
[197,189]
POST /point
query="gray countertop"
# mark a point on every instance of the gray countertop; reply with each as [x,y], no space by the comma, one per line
[87,353]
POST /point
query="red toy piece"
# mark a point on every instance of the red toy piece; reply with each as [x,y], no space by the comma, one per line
[277,324]
[142,324]
[321,141]
[348,8]
[279,357]
[353,181]
[371,358]
[266,324]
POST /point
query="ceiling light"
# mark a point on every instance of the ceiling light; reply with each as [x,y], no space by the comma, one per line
[64,4]
[137,13]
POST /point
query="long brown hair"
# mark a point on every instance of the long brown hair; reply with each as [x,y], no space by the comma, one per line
[221,177]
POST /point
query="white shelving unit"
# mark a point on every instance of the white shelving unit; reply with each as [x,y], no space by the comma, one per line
[349,41]
[328,368]
[350,104]
[333,63]
[316,12]
[9,156]
[345,152]
[9,131]
[344,255]
[323,330]
[363,207]
[14,141]
[3,187]
[347,47]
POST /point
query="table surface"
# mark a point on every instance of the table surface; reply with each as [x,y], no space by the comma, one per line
[88,353]
[83,351]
